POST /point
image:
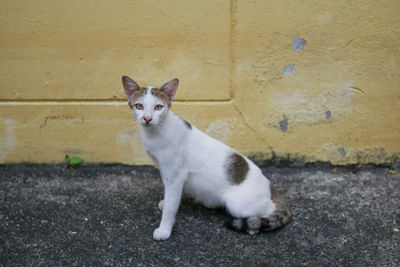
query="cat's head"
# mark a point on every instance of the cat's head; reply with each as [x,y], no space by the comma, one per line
[149,105]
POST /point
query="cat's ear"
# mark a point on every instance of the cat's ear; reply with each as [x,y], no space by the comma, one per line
[170,88]
[130,86]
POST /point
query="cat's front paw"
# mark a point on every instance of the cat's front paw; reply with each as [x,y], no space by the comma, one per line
[160,234]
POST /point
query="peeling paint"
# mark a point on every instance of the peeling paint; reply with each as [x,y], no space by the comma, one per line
[8,141]
[304,107]
[329,152]
[343,95]
[342,151]
[283,124]
[298,44]
[220,130]
[342,156]
[288,70]
[129,139]
[323,18]
[328,115]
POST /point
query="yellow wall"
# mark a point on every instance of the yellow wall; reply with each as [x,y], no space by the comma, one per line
[243,80]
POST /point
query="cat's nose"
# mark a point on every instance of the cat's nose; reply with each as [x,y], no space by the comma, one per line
[147,119]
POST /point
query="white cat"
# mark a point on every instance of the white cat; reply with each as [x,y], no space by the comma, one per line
[194,163]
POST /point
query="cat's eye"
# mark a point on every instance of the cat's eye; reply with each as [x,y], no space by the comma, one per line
[139,106]
[158,107]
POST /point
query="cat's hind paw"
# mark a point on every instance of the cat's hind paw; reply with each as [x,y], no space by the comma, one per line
[161,204]
[160,234]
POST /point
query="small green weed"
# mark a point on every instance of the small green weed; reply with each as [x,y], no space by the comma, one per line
[392,166]
[73,162]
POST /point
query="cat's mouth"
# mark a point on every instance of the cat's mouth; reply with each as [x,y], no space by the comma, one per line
[147,124]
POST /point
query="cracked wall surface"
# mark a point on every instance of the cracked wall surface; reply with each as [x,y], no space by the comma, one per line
[305,81]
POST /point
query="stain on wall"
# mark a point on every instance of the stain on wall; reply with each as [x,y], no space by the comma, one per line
[129,140]
[7,138]
[219,130]
[342,151]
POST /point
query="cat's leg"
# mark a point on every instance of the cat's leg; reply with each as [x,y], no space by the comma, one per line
[172,198]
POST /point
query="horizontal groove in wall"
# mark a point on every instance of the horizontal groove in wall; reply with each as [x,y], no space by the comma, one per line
[99,102]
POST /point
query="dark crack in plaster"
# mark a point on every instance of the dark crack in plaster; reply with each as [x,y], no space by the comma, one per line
[248,125]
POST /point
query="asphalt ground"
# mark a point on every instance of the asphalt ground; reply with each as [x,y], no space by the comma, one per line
[104,215]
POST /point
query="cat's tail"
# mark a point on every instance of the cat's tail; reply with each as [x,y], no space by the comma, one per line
[281,216]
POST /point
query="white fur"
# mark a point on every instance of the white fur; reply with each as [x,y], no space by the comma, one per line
[192,162]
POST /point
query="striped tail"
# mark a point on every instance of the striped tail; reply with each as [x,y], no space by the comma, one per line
[281,216]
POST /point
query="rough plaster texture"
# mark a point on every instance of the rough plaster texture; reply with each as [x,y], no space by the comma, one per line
[60,89]
[104,216]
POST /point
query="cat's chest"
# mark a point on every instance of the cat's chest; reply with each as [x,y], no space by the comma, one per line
[163,150]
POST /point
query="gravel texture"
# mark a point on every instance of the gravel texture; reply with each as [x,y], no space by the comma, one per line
[101,215]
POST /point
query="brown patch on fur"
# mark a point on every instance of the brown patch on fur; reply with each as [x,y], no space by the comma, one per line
[162,95]
[138,93]
[282,214]
[275,195]
[237,168]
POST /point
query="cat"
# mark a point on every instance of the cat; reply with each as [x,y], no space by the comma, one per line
[194,163]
